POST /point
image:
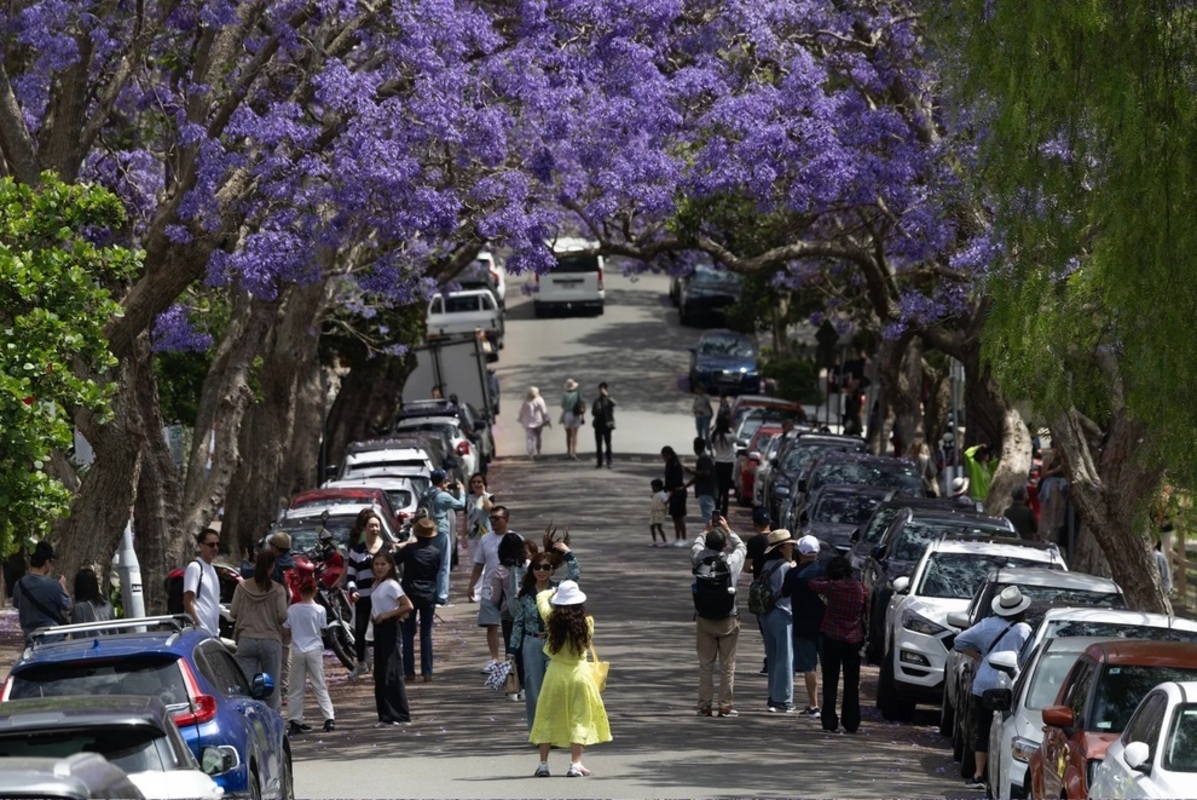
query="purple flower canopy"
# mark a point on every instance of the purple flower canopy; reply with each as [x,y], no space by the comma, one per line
[309,128]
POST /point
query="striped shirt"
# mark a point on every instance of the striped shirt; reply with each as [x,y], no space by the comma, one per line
[359,570]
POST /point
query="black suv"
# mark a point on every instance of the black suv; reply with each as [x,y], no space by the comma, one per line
[860,468]
[898,551]
[797,451]
[868,535]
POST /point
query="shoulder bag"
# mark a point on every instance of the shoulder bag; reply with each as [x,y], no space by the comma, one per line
[598,669]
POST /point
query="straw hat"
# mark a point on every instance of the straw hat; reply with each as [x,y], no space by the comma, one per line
[777,538]
[959,486]
[1010,602]
[570,384]
[424,528]
[280,540]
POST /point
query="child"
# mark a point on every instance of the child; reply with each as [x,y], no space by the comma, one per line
[660,503]
[307,621]
[389,605]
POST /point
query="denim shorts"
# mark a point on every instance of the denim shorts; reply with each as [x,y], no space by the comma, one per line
[488,613]
[806,653]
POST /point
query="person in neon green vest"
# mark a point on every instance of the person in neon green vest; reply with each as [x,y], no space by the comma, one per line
[978,464]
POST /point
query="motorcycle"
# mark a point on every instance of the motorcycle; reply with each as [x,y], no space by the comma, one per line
[326,567]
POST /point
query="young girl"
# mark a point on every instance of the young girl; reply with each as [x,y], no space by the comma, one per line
[388,605]
[306,621]
[660,503]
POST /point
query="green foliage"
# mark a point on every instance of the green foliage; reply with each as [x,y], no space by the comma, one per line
[53,352]
[1091,155]
[797,379]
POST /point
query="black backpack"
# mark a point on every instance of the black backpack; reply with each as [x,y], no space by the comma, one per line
[174,589]
[714,593]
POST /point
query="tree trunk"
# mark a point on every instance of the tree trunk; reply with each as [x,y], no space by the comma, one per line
[1014,465]
[938,392]
[899,372]
[1109,487]
[366,403]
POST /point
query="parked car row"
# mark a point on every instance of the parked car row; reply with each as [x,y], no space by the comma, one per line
[704,294]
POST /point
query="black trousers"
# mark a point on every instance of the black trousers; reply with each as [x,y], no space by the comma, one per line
[837,654]
[390,691]
[723,473]
[361,620]
[602,436]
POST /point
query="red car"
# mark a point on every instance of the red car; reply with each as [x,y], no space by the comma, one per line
[1095,702]
[364,496]
[748,461]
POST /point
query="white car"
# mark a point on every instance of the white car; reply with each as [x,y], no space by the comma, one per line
[486,273]
[467,453]
[1015,733]
[576,281]
[1156,755]
[465,313]
[367,460]
[1109,623]
[917,631]
[763,470]
[404,493]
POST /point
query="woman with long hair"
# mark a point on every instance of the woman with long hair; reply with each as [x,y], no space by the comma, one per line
[675,487]
[723,443]
[569,712]
[478,506]
[389,606]
[573,416]
[528,631]
[259,612]
[365,541]
[90,605]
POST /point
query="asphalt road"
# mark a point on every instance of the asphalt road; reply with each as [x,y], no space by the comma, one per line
[467,741]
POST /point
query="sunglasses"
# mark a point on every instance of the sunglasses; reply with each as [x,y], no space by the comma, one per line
[210,544]
[540,567]
[497,516]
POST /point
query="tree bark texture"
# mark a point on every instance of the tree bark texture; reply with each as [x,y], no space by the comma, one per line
[1110,478]
[1014,465]
[366,403]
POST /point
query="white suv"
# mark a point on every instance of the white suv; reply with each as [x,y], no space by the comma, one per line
[575,283]
[918,635]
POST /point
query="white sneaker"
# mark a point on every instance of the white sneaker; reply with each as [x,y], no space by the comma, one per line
[513,696]
[521,696]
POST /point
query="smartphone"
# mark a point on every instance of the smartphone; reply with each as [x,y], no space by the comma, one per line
[715,517]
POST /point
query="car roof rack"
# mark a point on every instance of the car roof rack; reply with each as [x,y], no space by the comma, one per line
[174,623]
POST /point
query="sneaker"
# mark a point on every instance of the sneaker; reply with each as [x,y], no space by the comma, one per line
[542,771]
[489,668]
[521,696]
[295,728]
[577,771]
[704,711]
[781,709]
[728,711]
[975,783]
[358,671]
[813,713]
[330,725]
[513,696]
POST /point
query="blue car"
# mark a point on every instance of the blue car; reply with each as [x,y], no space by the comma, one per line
[725,361]
[238,738]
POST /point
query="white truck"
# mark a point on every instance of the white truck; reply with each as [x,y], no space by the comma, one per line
[457,366]
[465,313]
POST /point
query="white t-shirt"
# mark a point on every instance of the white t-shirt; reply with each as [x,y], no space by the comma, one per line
[487,555]
[306,621]
[385,597]
[724,449]
[207,594]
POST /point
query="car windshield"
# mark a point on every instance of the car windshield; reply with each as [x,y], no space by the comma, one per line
[1122,686]
[306,535]
[132,748]
[1117,630]
[728,346]
[800,455]
[1056,596]
[1180,752]
[880,520]
[958,574]
[144,677]
[844,508]
[1049,675]
[900,475]
[709,275]
[917,534]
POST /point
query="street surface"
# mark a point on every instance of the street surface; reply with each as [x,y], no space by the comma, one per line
[467,741]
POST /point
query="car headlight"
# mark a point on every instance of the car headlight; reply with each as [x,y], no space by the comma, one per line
[920,624]
[1021,748]
[781,489]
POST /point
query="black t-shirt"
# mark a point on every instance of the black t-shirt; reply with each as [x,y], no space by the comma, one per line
[706,483]
[675,476]
[756,551]
[1023,519]
[421,562]
[807,606]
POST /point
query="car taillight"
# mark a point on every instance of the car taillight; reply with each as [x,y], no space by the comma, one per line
[463,449]
[7,688]
[600,279]
[203,709]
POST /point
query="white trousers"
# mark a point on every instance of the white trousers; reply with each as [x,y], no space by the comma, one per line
[305,666]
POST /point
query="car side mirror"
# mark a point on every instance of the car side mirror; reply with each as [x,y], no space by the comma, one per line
[261,687]
[218,760]
[997,699]
[901,585]
[958,619]
[855,536]
[1138,756]
[1058,717]
[1005,661]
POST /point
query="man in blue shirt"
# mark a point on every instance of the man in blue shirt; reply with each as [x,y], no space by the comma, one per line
[1005,631]
[440,504]
[41,601]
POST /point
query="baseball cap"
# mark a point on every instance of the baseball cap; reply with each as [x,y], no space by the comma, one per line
[280,540]
[438,475]
[760,515]
[808,545]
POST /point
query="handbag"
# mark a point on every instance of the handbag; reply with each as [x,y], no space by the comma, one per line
[497,678]
[512,684]
[598,669]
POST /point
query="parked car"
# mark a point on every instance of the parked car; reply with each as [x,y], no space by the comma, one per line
[463,314]
[1016,723]
[1109,623]
[869,534]
[307,525]
[917,633]
[404,493]
[725,361]
[135,733]
[485,272]
[474,423]
[467,455]
[1156,755]
[195,676]
[1045,588]
[408,456]
[798,449]
[1094,705]
[835,512]
[80,776]
[757,417]
[706,292]
[760,475]
[576,282]
[859,468]
[360,497]
[899,550]
[750,459]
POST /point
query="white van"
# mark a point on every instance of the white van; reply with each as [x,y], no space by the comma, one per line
[576,283]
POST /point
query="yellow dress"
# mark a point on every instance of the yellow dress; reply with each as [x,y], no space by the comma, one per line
[569,709]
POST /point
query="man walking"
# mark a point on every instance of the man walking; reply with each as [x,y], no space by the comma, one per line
[716,573]
[441,503]
[602,417]
[201,587]
[808,618]
[703,480]
[486,564]
[41,601]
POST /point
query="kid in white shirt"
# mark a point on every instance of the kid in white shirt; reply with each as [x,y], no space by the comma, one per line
[306,621]
[660,504]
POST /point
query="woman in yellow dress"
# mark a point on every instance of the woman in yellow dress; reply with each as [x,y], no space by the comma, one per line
[569,711]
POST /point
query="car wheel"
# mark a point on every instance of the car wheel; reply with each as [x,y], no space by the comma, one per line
[947,716]
[287,778]
[538,311]
[255,784]
[893,707]
[874,647]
